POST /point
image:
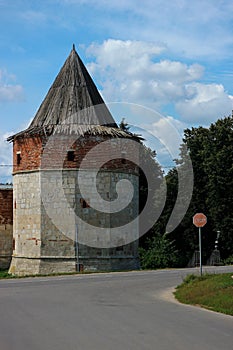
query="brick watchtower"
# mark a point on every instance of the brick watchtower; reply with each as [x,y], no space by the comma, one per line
[57,228]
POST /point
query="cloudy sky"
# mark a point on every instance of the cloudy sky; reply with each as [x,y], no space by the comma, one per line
[173,59]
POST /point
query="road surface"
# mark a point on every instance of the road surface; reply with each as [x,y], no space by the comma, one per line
[131,311]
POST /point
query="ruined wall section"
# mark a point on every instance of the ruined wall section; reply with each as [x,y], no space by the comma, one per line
[6,226]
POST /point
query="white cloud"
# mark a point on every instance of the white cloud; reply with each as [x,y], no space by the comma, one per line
[169,132]
[9,91]
[167,70]
[125,66]
[109,52]
[133,72]
[206,102]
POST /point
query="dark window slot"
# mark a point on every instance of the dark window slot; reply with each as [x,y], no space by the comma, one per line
[70,156]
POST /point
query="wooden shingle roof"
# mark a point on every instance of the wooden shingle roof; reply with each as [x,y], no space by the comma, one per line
[73,104]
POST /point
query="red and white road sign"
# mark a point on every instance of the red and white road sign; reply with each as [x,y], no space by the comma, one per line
[199,220]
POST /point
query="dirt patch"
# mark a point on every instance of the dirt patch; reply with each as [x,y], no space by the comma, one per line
[167,295]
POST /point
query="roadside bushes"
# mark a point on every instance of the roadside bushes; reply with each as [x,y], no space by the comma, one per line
[161,253]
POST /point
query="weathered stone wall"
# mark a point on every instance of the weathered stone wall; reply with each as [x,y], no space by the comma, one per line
[6,226]
[26,221]
[27,218]
[49,212]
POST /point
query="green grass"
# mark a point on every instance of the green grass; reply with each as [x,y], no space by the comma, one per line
[5,274]
[213,292]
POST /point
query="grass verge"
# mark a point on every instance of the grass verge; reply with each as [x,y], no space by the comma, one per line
[211,291]
[5,274]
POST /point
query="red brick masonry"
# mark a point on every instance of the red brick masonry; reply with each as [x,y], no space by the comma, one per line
[6,226]
[6,206]
[33,153]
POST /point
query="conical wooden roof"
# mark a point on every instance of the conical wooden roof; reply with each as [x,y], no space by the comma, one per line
[72,105]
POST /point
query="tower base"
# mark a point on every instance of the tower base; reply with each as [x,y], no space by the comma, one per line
[21,266]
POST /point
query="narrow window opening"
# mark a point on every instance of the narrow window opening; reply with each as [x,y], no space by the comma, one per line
[123,157]
[18,160]
[70,155]
[84,203]
[120,248]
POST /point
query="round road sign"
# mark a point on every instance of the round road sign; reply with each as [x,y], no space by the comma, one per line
[199,220]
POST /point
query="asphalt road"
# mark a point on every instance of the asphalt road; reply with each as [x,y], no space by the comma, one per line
[131,310]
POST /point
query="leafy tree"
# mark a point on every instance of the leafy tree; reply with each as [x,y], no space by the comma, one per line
[186,234]
[211,152]
[160,253]
[219,167]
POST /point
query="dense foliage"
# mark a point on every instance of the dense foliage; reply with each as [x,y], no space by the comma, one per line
[159,253]
[211,152]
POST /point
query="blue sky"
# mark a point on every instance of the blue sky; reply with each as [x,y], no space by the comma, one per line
[172,57]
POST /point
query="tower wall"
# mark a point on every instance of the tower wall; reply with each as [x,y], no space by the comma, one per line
[49,210]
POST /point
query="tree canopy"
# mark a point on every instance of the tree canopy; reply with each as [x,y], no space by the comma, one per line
[211,153]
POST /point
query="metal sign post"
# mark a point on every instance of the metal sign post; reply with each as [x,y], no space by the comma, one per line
[199,220]
[200,258]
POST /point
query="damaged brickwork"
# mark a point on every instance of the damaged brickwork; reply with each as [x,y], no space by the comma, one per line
[6,226]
